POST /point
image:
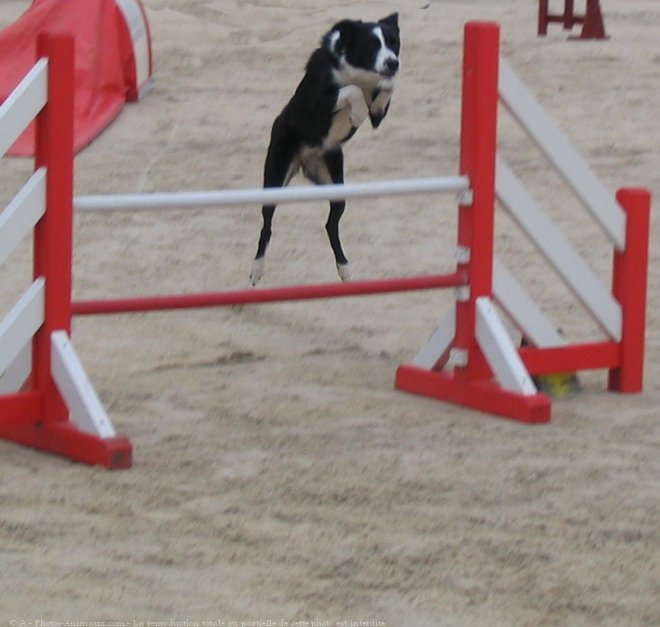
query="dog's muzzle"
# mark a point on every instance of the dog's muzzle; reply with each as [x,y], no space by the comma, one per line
[391,67]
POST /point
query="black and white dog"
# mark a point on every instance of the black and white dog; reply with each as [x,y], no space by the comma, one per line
[349,77]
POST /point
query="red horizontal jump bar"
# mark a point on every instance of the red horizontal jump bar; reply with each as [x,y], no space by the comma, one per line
[267,295]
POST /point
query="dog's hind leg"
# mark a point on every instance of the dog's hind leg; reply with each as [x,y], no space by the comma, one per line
[279,168]
[267,212]
[332,227]
[335,163]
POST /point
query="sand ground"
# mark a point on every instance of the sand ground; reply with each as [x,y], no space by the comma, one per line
[278,475]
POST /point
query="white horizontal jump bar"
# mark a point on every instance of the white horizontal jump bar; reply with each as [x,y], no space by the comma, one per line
[270,196]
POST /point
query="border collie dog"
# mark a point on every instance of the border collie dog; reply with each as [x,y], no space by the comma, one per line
[348,78]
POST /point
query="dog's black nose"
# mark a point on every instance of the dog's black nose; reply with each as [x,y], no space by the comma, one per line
[391,66]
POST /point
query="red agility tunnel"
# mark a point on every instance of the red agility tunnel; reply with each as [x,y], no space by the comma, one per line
[112,59]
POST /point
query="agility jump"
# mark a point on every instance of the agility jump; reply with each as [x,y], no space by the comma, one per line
[591,20]
[469,359]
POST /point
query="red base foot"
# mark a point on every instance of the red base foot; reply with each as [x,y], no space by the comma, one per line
[484,396]
[592,26]
[64,438]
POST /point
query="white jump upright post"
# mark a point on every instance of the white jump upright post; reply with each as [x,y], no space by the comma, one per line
[56,408]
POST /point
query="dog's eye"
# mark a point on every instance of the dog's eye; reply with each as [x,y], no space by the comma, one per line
[374,45]
[392,42]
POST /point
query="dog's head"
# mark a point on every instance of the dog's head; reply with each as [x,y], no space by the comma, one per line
[365,53]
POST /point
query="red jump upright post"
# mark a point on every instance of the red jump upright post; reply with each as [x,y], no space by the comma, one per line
[479,344]
[476,218]
[629,285]
[53,234]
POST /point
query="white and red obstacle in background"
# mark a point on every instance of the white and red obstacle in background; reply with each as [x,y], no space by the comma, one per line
[113,62]
[470,359]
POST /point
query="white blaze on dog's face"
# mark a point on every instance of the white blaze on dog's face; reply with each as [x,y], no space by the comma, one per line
[367,54]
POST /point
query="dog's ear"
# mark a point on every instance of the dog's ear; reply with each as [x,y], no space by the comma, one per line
[391,20]
[336,40]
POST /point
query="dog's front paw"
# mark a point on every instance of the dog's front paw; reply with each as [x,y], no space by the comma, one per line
[380,104]
[359,112]
[377,118]
[257,270]
[343,269]
[386,84]
[353,97]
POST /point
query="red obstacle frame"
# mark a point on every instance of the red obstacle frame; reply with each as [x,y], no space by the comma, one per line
[37,416]
[592,19]
[471,384]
